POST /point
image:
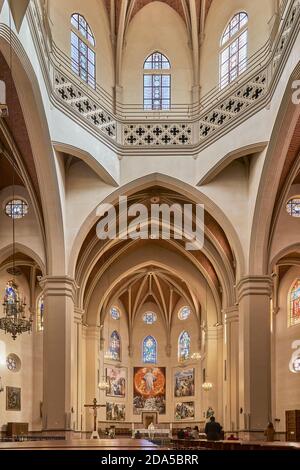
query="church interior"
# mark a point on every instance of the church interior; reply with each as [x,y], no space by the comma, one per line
[116,325]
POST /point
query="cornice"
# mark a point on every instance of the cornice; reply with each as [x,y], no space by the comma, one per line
[59,286]
[254,285]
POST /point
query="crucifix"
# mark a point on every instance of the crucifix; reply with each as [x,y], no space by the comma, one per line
[95,407]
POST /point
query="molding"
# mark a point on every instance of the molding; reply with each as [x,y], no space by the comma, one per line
[231,314]
[59,286]
[254,285]
[248,150]
[88,159]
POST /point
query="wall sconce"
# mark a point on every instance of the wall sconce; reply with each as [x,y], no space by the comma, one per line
[1,386]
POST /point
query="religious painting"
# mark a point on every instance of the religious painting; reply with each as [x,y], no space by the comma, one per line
[116,379]
[115,412]
[13,399]
[184,383]
[149,389]
[184,410]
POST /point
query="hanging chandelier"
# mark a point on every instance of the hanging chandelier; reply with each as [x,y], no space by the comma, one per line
[14,320]
[196,356]
[207,386]
[103,385]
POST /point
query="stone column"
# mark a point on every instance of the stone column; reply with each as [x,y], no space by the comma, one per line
[92,367]
[255,352]
[59,294]
[78,368]
[231,369]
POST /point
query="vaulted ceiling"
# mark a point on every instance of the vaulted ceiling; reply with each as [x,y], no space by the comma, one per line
[183,7]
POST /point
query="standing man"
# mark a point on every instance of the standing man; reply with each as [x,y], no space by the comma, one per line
[213,430]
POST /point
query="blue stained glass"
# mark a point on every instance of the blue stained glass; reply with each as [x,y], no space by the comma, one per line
[184,313]
[115,346]
[149,350]
[184,346]
[149,318]
[115,313]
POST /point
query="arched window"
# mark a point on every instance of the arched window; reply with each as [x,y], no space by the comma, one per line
[184,346]
[149,350]
[293,206]
[115,346]
[184,313]
[115,313]
[294,304]
[40,313]
[149,318]
[157,82]
[234,42]
[16,208]
[83,57]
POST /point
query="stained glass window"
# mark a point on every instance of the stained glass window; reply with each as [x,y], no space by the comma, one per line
[157,83]
[184,346]
[149,350]
[115,346]
[115,313]
[83,57]
[40,314]
[184,313]
[16,208]
[294,310]
[293,207]
[149,318]
[234,43]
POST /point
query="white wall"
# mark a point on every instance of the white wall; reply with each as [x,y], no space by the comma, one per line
[156,27]
[219,15]
[95,14]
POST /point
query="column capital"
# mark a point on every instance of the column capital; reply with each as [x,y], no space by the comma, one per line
[231,314]
[93,332]
[78,314]
[254,285]
[59,285]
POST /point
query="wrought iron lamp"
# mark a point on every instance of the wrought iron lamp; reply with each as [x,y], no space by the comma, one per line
[14,320]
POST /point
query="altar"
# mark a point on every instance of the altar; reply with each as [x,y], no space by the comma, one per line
[152,433]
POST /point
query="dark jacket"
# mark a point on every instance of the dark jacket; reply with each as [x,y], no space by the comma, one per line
[213,431]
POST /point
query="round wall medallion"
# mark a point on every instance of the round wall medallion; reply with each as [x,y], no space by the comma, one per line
[13,363]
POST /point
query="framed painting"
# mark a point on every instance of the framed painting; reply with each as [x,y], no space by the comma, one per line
[13,399]
[115,412]
[184,410]
[184,385]
[116,379]
[149,389]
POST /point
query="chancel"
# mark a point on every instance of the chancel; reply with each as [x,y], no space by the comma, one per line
[149,224]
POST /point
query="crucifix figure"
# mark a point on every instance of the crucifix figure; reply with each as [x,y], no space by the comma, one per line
[95,407]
